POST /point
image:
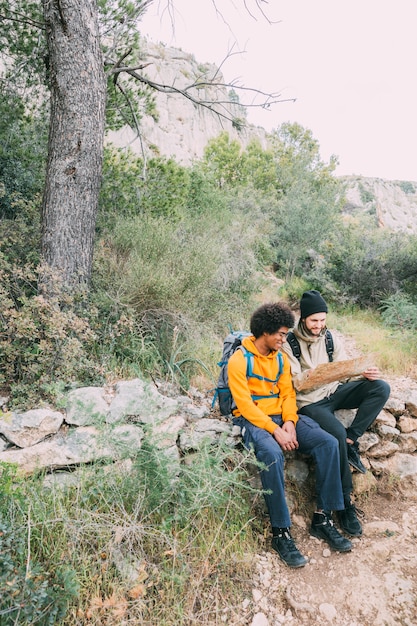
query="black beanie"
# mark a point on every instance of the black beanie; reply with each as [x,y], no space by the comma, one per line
[312,302]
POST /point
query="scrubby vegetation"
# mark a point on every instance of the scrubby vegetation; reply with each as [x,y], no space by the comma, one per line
[181,254]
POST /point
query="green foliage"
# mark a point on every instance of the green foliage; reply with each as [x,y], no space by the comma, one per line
[399,312]
[368,264]
[407,186]
[309,206]
[20,236]
[42,342]
[366,195]
[130,187]
[23,43]
[23,140]
[223,161]
[31,592]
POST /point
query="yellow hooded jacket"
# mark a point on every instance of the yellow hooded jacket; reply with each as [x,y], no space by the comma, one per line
[242,388]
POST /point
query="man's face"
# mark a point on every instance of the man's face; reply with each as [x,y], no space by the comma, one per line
[274,341]
[315,323]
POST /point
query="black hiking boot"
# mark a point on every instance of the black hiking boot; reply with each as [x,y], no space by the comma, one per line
[348,520]
[322,527]
[354,458]
[284,544]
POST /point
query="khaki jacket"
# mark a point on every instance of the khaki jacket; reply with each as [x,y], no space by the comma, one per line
[313,353]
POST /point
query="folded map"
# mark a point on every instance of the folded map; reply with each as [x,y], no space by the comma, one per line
[337,370]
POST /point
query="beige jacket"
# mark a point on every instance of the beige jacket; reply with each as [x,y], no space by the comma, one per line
[313,353]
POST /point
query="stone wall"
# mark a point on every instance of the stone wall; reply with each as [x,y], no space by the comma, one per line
[111,423]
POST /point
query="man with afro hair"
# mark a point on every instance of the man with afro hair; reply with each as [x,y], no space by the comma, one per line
[266,412]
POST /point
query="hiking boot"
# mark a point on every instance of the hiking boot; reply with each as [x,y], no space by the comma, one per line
[348,521]
[287,550]
[322,527]
[354,458]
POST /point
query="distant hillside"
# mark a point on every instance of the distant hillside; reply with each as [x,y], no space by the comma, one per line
[392,203]
[183,130]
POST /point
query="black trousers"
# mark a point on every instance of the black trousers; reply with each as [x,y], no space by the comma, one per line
[369,397]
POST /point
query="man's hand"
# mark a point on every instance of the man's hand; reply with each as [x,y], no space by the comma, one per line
[286,436]
[372,373]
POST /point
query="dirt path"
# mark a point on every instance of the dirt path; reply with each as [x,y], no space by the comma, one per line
[374,585]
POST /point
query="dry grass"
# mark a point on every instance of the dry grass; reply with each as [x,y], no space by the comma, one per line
[395,352]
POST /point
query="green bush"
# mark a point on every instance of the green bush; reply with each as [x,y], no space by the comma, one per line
[158,187]
[43,342]
[399,312]
[31,592]
[368,265]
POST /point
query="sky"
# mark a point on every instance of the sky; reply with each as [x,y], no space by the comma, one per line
[350,66]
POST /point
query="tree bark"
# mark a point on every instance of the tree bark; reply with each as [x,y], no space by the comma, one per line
[75,149]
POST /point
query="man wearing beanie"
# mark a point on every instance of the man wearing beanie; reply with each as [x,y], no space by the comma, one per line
[266,411]
[307,347]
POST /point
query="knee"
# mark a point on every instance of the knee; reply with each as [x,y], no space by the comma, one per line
[380,388]
[331,441]
[271,456]
[385,389]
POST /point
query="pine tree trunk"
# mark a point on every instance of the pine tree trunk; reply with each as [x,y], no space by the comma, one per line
[75,149]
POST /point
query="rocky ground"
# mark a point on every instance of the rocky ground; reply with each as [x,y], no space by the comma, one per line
[374,585]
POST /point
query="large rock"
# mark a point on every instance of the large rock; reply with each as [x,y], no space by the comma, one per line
[27,429]
[86,406]
[141,402]
[393,203]
[80,445]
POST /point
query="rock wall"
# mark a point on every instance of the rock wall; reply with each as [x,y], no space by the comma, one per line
[110,424]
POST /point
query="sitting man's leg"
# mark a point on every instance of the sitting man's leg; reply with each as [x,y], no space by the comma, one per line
[269,453]
[324,448]
[369,398]
[322,413]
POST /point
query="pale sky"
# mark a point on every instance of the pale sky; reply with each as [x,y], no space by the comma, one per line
[350,65]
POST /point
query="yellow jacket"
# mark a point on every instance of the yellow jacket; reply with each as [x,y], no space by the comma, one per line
[242,388]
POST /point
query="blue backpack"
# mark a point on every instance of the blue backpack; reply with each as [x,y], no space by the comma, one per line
[233,342]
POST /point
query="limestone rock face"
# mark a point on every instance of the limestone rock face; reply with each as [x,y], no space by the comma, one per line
[393,204]
[184,129]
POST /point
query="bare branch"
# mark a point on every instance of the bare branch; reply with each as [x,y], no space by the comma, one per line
[22,19]
[137,127]
[269,99]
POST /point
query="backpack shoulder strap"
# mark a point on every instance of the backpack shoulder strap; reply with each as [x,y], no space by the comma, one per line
[328,338]
[280,360]
[294,345]
[249,365]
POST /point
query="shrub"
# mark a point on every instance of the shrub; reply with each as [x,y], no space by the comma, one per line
[398,311]
[43,342]
[30,592]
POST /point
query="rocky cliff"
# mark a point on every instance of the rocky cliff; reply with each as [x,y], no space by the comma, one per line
[183,130]
[393,204]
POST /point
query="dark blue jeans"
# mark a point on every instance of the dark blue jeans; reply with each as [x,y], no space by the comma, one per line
[369,397]
[312,440]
